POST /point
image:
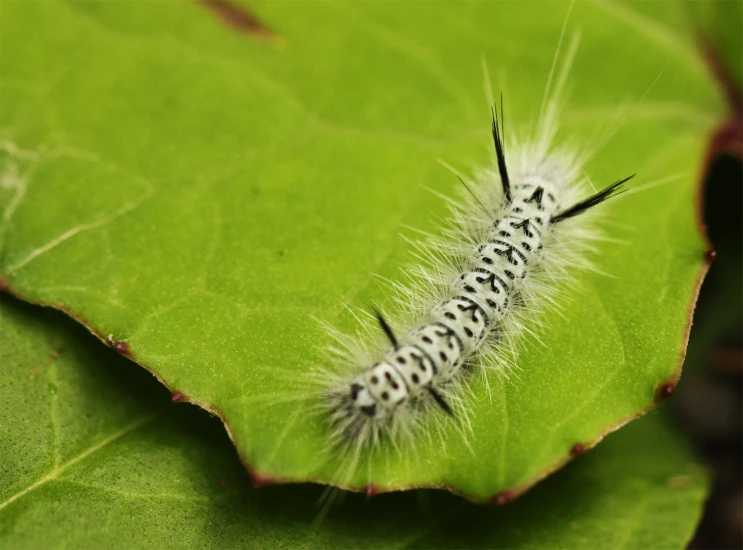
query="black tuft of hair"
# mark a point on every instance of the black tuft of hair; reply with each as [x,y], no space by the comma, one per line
[611,191]
[500,150]
[387,330]
[440,401]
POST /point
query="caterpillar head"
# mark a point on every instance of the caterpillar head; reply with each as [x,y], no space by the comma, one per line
[353,409]
[369,399]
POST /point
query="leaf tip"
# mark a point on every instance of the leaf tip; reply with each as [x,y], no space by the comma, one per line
[504,497]
[665,391]
[177,397]
[259,480]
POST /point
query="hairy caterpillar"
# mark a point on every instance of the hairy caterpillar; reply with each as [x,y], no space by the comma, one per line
[523,230]
[511,246]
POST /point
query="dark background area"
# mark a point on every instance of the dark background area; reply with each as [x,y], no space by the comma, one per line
[709,404]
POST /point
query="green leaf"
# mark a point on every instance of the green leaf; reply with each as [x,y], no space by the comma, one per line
[203,197]
[94,456]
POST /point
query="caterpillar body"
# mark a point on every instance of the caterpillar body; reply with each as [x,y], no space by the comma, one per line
[520,226]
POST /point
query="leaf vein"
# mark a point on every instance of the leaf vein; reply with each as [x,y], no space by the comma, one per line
[59,470]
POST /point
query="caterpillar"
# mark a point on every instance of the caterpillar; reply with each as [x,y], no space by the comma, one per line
[492,286]
[523,230]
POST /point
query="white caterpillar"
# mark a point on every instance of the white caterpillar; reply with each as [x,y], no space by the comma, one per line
[521,234]
[517,235]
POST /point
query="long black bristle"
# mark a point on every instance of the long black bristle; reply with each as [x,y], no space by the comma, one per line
[387,330]
[474,196]
[440,401]
[500,151]
[611,191]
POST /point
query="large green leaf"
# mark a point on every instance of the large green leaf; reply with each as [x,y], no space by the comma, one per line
[94,456]
[203,196]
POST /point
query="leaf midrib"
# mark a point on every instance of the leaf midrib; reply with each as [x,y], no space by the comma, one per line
[59,470]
